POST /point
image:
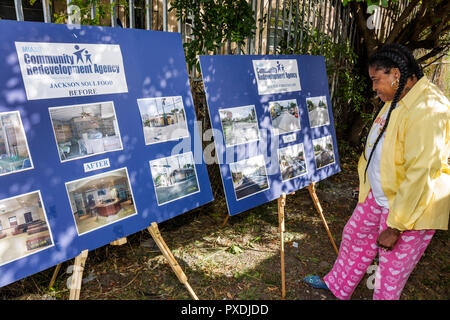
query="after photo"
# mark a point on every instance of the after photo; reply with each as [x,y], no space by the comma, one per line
[239,125]
[14,152]
[24,228]
[174,177]
[249,176]
[318,111]
[100,200]
[292,161]
[323,151]
[85,130]
[163,119]
[284,115]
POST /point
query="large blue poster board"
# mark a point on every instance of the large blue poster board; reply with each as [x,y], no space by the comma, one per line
[98,139]
[272,123]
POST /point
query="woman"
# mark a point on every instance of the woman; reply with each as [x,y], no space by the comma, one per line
[404,190]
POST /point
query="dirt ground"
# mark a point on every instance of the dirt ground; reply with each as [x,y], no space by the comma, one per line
[237,261]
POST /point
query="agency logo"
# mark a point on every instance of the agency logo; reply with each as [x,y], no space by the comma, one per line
[80,53]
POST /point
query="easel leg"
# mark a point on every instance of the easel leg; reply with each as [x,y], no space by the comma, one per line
[55,274]
[281,204]
[77,276]
[226,220]
[154,231]
[312,192]
[119,242]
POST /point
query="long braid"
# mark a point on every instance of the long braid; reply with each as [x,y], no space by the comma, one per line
[398,59]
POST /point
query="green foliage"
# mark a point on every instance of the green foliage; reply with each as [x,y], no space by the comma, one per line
[215,22]
[103,11]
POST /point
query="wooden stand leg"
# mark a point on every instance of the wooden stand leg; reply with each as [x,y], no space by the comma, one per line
[281,204]
[55,274]
[77,276]
[119,242]
[226,220]
[312,192]
[154,231]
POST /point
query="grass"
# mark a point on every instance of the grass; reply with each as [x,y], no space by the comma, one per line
[240,260]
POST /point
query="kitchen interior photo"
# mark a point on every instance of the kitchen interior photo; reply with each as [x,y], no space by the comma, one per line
[100,200]
[85,130]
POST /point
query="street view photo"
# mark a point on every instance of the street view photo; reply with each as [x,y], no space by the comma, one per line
[318,111]
[174,177]
[284,115]
[249,176]
[24,227]
[14,153]
[292,161]
[239,125]
[163,119]
[323,151]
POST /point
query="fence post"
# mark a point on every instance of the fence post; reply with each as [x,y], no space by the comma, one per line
[19,10]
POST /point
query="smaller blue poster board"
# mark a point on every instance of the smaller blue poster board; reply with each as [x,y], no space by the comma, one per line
[98,139]
[272,123]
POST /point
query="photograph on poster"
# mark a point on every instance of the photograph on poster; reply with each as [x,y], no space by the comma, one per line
[85,130]
[249,176]
[323,151]
[163,119]
[174,177]
[284,115]
[318,111]
[239,125]
[292,161]
[100,200]
[14,152]
[24,228]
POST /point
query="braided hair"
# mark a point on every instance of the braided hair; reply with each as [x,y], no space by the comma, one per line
[387,57]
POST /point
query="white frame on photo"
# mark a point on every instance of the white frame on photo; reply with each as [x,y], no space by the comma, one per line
[46,220]
[306,162]
[26,143]
[168,139]
[93,177]
[328,112]
[265,169]
[223,132]
[81,105]
[334,155]
[271,120]
[153,180]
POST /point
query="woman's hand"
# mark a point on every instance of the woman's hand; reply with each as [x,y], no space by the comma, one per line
[388,238]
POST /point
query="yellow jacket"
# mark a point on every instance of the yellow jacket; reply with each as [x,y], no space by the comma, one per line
[414,172]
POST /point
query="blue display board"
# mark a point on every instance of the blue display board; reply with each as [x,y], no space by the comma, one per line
[98,139]
[272,123]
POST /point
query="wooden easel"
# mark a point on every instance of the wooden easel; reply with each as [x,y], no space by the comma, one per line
[281,205]
[80,261]
[312,192]
[281,227]
[154,231]
[78,268]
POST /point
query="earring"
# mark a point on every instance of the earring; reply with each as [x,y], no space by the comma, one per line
[394,84]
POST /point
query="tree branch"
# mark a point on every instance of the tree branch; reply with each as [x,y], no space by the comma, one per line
[399,24]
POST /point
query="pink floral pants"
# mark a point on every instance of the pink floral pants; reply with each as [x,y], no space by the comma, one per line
[358,249]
